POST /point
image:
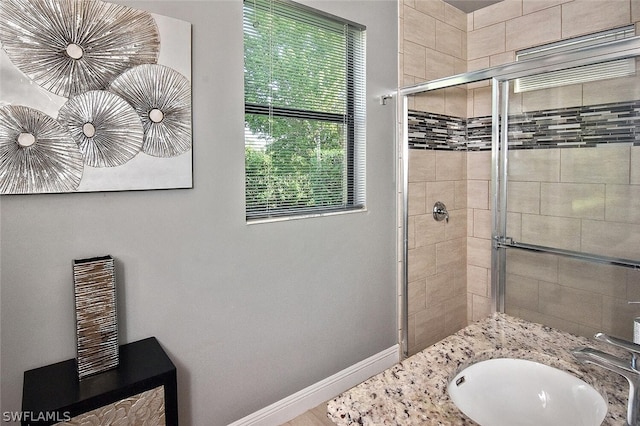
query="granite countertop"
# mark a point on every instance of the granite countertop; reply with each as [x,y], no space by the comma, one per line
[414,392]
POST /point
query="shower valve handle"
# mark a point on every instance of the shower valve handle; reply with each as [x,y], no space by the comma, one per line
[440,212]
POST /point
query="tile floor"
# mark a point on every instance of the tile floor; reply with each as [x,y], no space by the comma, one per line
[315,417]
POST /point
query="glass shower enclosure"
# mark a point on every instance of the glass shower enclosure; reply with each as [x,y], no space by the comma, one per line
[564,192]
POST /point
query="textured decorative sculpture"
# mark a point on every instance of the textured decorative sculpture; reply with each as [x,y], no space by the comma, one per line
[162,98]
[36,153]
[96,319]
[106,128]
[70,46]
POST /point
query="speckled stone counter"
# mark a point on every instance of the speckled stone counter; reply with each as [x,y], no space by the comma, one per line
[414,392]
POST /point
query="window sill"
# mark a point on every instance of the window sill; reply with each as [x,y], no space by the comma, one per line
[304,216]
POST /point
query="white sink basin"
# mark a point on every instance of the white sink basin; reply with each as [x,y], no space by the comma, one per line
[507,391]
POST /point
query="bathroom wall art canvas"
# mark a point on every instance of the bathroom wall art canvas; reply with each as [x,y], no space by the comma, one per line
[94,96]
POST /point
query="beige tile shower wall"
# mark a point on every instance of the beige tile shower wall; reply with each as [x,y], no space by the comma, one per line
[433,45]
[582,200]
[437,250]
[495,33]
[576,199]
[574,295]
[512,25]
[490,37]
[478,235]
[585,197]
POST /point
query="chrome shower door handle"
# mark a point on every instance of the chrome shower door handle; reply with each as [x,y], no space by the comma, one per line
[440,212]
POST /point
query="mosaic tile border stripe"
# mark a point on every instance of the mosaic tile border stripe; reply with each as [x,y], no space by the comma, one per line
[575,127]
[435,131]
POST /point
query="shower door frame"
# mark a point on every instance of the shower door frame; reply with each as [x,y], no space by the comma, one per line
[500,77]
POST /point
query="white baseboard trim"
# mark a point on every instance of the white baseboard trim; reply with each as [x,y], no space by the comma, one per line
[292,406]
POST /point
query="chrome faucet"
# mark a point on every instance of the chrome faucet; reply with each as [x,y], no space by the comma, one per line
[627,368]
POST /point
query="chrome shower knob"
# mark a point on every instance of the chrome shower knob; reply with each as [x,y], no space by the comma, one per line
[440,212]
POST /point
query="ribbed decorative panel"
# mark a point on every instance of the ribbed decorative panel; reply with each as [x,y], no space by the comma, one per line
[96,319]
[146,408]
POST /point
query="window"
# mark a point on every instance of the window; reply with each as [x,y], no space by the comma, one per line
[304,111]
[583,74]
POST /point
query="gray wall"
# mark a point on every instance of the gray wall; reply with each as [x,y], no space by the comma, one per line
[249,314]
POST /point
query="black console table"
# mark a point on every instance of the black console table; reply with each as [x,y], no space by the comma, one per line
[53,394]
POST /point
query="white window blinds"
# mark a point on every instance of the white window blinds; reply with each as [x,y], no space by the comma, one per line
[304,74]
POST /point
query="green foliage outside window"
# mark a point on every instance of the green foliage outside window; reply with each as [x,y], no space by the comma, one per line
[296,111]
